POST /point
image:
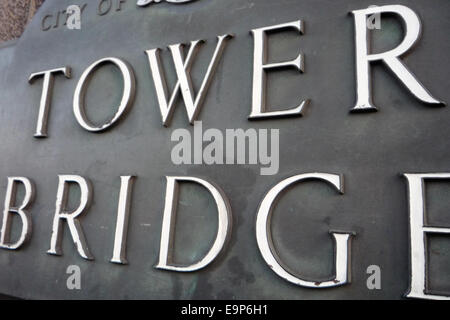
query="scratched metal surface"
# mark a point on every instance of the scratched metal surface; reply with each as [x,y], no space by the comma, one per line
[370,150]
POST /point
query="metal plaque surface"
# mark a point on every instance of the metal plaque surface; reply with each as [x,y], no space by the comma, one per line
[97,207]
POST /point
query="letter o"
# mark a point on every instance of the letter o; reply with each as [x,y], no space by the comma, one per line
[129,90]
[100,11]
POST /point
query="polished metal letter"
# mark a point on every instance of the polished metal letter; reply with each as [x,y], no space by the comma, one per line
[123,212]
[127,96]
[47,88]
[223,230]
[21,210]
[259,72]
[183,68]
[143,3]
[418,231]
[267,248]
[71,217]
[390,58]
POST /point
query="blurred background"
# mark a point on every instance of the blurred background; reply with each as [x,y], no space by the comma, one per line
[14,16]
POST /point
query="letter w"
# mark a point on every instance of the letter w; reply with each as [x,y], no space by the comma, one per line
[183,68]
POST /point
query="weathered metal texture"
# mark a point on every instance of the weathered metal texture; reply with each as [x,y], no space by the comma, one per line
[369,150]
